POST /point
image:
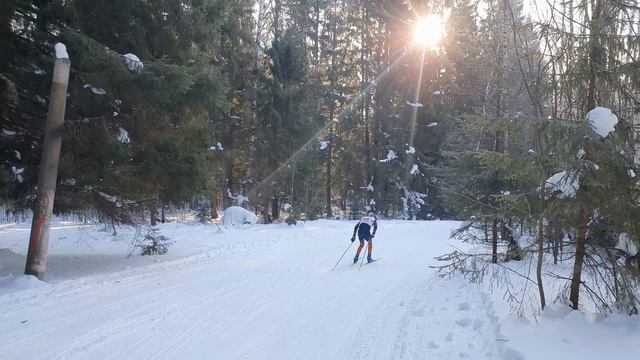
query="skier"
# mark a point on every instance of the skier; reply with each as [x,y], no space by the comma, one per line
[363,228]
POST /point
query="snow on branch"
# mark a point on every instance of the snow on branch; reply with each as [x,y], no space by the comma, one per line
[240,199]
[95,90]
[132,62]
[18,174]
[626,245]
[567,184]
[391,155]
[216,147]
[369,187]
[123,137]
[602,121]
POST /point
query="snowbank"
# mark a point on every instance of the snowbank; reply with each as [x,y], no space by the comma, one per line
[235,216]
[566,334]
[14,283]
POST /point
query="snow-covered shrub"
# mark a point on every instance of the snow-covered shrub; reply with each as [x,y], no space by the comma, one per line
[204,212]
[235,216]
[154,243]
[291,213]
[291,220]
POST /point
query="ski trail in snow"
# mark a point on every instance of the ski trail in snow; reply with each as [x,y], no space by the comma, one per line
[269,298]
[425,321]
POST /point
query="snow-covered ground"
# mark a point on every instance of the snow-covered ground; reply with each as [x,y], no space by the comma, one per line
[268,293]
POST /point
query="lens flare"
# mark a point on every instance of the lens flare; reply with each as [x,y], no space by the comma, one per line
[428,31]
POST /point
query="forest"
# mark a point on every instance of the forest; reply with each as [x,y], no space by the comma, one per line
[518,117]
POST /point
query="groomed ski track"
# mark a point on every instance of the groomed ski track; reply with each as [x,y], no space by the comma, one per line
[264,293]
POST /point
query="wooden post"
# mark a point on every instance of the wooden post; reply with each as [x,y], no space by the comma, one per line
[54,128]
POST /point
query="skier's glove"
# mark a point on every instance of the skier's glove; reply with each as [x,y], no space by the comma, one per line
[373,235]
[353,238]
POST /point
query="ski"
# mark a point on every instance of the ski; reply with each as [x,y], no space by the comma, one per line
[365,263]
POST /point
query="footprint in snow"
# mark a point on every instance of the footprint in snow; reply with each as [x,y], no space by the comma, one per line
[432,345]
[511,354]
[464,306]
[464,322]
[449,337]
[478,323]
[419,312]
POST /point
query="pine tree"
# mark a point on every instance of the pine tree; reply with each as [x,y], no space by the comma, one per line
[134,135]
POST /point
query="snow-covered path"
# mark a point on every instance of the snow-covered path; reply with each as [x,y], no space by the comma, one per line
[262,294]
[266,293]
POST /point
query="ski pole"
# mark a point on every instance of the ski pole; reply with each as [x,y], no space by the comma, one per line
[345,252]
[364,256]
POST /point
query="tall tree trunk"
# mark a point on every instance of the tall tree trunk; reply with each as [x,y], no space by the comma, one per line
[277,20]
[265,211]
[581,241]
[214,206]
[153,212]
[364,59]
[494,241]
[556,239]
[539,264]
[498,145]
[329,157]
[275,207]
[332,80]
[228,157]
[581,244]
[316,37]
[261,12]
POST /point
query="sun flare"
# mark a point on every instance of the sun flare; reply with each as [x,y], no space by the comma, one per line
[428,31]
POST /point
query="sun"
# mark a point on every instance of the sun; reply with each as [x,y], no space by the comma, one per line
[428,31]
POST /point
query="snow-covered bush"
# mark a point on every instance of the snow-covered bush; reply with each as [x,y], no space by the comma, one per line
[235,216]
[203,213]
[291,220]
[154,243]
